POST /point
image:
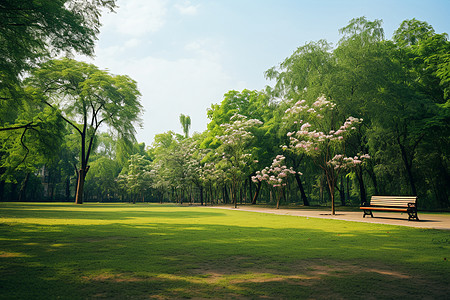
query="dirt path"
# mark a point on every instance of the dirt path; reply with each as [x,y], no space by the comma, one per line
[434,221]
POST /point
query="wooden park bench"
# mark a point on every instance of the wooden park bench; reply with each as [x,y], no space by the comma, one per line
[392,203]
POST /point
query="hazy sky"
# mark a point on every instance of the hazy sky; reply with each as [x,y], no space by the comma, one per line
[185,55]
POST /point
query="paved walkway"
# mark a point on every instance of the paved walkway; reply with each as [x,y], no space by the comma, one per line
[434,221]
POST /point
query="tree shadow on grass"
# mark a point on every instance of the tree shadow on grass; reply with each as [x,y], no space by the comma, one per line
[186,260]
[104,215]
[316,279]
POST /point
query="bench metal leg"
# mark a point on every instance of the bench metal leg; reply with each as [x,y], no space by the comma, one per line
[412,215]
[367,212]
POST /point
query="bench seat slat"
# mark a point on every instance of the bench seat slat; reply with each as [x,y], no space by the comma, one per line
[384,208]
[390,204]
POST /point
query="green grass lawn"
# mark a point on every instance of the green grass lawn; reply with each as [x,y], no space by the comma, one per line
[124,251]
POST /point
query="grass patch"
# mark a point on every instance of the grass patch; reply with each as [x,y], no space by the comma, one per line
[120,251]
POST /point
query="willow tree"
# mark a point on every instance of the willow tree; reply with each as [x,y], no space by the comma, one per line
[87,97]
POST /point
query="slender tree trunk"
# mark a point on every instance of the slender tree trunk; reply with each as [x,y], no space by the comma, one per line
[234,193]
[225,194]
[444,189]
[67,188]
[210,194]
[13,192]
[321,197]
[333,209]
[342,191]
[244,192]
[280,191]
[347,183]
[2,190]
[373,177]
[250,189]
[258,188]
[331,186]
[408,167]
[302,190]
[362,189]
[201,195]
[23,188]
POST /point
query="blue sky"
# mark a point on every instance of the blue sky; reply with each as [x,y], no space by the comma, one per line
[185,55]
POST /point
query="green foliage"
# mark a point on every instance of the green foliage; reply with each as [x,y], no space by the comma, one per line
[36,140]
[411,32]
[399,87]
[87,97]
[31,30]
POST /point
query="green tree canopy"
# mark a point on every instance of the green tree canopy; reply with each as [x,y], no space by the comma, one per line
[31,30]
[87,97]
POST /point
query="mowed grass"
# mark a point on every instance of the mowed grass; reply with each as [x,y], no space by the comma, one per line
[124,251]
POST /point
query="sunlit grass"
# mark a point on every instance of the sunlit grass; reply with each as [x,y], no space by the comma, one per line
[117,251]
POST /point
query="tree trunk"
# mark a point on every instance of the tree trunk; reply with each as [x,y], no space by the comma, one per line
[362,189]
[258,188]
[80,185]
[2,190]
[331,185]
[201,195]
[279,197]
[234,193]
[23,188]
[342,191]
[332,203]
[347,183]
[321,197]
[302,190]
[373,177]
[408,167]
[67,188]
[250,190]
[13,192]
[226,197]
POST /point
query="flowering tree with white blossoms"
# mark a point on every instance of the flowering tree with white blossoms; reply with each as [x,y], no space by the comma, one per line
[234,149]
[211,175]
[319,138]
[136,178]
[275,175]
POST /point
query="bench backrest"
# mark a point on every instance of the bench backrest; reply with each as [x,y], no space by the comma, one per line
[395,201]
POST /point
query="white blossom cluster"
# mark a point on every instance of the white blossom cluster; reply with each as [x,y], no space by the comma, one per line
[276,174]
[339,161]
[210,173]
[319,105]
[308,140]
[237,131]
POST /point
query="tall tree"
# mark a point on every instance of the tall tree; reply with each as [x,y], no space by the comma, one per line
[320,138]
[137,176]
[185,124]
[30,32]
[235,149]
[88,97]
